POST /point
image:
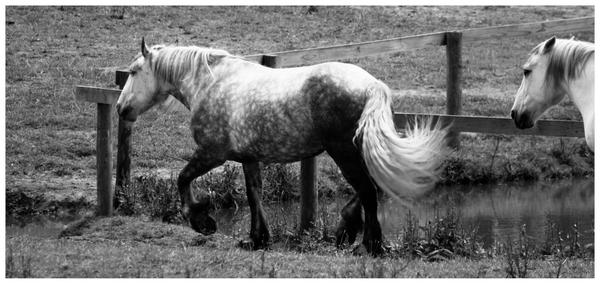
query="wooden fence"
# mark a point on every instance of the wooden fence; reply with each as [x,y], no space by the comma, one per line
[453,42]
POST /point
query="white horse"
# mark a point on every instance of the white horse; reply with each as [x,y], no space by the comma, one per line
[249,113]
[555,68]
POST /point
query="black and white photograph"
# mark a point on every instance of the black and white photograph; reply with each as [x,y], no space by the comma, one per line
[298,140]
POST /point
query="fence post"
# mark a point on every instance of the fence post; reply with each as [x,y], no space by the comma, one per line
[103,160]
[309,195]
[309,198]
[453,81]
[123,146]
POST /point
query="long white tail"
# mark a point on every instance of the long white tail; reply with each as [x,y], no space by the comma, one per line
[404,167]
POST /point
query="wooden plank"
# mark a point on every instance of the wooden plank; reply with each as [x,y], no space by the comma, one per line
[254,58]
[103,160]
[123,176]
[321,54]
[309,198]
[528,29]
[453,81]
[499,125]
[97,95]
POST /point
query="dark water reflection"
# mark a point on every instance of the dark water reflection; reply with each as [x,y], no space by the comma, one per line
[497,211]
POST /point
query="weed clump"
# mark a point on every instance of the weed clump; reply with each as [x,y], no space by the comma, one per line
[158,197]
[440,239]
[280,182]
[562,244]
[518,255]
[151,196]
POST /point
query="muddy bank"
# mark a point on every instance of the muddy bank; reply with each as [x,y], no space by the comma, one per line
[49,196]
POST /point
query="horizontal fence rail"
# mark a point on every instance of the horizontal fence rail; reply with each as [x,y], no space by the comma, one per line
[337,52]
[321,54]
[529,29]
[496,125]
[97,95]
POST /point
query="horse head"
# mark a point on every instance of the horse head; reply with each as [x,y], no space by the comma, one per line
[537,92]
[143,89]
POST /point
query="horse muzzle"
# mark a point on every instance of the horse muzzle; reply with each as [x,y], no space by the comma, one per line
[126,113]
[522,120]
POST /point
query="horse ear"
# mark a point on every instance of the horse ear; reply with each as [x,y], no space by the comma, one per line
[549,44]
[145,51]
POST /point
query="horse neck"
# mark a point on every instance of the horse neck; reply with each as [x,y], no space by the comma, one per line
[581,91]
[186,91]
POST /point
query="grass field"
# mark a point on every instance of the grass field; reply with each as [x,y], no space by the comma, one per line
[50,137]
[137,247]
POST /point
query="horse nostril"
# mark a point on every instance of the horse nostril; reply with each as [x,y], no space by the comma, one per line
[513,114]
[118,106]
[525,117]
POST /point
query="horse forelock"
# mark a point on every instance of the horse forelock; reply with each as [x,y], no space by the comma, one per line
[566,61]
[177,63]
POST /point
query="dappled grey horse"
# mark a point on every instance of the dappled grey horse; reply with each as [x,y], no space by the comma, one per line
[245,112]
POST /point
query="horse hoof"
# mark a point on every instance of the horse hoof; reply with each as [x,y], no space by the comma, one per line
[249,244]
[361,250]
[343,236]
[246,244]
[203,224]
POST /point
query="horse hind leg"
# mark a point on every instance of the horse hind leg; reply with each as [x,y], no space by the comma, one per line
[348,158]
[196,212]
[350,222]
[259,228]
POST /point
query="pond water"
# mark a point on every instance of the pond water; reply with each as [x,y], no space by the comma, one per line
[496,211]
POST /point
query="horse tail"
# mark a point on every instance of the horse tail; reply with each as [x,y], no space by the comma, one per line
[404,167]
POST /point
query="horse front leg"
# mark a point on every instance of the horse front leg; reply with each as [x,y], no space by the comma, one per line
[259,228]
[196,212]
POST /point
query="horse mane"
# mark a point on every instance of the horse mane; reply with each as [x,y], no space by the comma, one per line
[566,60]
[178,63]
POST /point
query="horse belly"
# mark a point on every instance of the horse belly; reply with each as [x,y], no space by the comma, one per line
[274,133]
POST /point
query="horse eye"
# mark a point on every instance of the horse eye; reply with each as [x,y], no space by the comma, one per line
[526,72]
[131,72]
